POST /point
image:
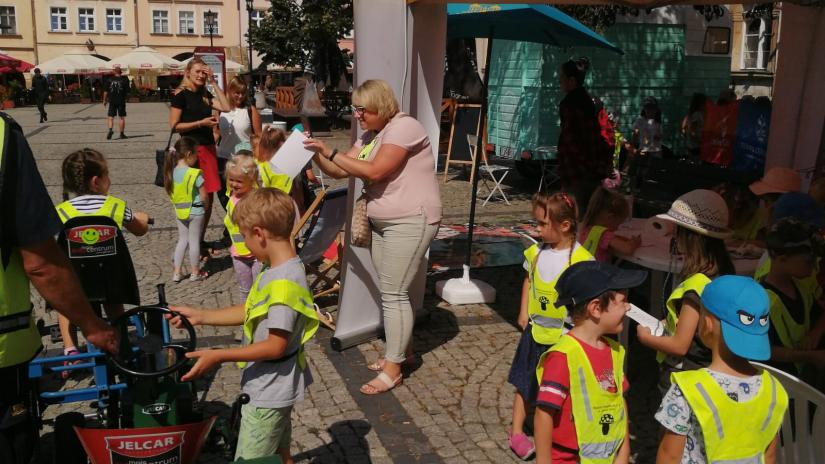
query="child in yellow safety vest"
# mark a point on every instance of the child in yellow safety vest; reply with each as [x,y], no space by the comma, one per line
[730,411]
[270,142]
[278,319]
[86,184]
[541,321]
[701,219]
[797,322]
[606,211]
[241,178]
[185,186]
[581,414]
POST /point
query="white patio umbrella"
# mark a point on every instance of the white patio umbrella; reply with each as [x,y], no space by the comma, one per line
[145,59]
[74,62]
[231,66]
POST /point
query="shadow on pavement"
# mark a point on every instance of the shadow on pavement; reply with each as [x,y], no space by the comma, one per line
[349,444]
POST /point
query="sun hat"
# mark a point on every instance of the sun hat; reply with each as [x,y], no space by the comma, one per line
[586,280]
[702,211]
[777,180]
[742,305]
[799,206]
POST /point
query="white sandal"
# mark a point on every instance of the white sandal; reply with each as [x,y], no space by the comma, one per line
[387,384]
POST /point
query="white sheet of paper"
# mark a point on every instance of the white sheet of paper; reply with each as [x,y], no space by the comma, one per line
[292,156]
[644,319]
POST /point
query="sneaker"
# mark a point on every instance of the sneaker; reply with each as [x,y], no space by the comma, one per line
[522,446]
[199,276]
[176,278]
[109,134]
[123,136]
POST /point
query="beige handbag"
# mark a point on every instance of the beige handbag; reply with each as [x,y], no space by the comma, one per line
[360,231]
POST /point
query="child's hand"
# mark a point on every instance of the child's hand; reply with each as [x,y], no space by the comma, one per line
[523,320]
[194,316]
[207,360]
[643,333]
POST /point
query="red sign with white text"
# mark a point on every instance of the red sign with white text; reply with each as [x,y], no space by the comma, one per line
[176,444]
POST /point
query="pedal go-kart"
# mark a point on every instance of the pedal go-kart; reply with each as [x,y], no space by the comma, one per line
[142,412]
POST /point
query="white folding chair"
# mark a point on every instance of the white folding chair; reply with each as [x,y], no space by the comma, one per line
[490,170]
[802,440]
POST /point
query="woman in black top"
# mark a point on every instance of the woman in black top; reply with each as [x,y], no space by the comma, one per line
[191,115]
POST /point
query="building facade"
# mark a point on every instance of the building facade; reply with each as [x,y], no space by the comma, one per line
[754,49]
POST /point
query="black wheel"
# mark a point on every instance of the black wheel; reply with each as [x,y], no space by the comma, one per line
[67,447]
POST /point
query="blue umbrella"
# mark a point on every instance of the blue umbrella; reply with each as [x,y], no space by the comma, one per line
[521,22]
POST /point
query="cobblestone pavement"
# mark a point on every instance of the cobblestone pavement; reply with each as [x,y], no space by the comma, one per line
[453,407]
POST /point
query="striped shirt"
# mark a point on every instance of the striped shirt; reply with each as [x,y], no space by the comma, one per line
[91,204]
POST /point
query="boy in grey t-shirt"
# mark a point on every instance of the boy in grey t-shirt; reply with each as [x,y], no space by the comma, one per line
[278,319]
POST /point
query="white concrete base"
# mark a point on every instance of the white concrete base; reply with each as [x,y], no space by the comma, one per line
[464,290]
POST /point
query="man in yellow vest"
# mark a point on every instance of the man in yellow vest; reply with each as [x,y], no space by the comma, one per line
[730,411]
[278,318]
[29,254]
[581,416]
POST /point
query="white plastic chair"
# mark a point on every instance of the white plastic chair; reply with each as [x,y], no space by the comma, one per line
[807,444]
[490,170]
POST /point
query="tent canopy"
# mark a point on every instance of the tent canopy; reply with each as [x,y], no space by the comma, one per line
[145,58]
[74,62]
[10,64]
[231,66]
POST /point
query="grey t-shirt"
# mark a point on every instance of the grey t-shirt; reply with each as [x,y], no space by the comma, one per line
[676,416]
[278,384]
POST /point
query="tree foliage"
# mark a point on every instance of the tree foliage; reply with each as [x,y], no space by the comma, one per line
[305,35]
[601,17]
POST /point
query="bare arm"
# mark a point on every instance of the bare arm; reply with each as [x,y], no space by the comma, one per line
[770,453]
[387,162]
[543,434]
[679,343]
[52,275]
[257,126]
[179,127]
[223,103]
[139,224]
[671,448]
[229,316]
[329,167]
[523,317]
[272,348]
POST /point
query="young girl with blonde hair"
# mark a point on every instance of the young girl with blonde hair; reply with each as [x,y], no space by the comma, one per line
[242,178]
[185,186]
[605,213]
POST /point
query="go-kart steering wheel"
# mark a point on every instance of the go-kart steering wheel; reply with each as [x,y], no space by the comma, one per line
[152,343]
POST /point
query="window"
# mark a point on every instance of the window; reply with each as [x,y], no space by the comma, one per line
[717,41]
[8,23]
[114,20]
[186,21]
[86,19]
[756,48]
[59,19]
[257,17]
[160,22]
[216,29]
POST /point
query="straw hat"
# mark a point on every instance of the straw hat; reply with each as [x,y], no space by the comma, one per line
[702,211]
[778,180]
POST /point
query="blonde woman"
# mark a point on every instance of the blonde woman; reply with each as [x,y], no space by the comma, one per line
[234,126]
[191,115]
[395,159]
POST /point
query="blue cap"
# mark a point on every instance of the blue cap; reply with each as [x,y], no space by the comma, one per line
[742,305]
[586,280]
[242,146]
[799,206]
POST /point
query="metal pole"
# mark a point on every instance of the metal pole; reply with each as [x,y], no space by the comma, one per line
[251,87]
[479,150]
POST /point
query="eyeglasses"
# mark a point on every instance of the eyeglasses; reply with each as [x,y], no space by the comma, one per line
[357,109]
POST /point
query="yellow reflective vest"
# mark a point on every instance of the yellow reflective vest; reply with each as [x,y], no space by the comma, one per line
[547,320]
[695,283]
[734,432]
[790,332]
[238,244]
[591,242]
[112,207]
[183,193]
[19,337]
[599,415]
[270,178]
[266,292]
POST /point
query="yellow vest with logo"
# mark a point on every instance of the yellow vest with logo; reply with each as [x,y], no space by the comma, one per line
[591,242]
[547,319]
[235,234]
[789,331]
[270,178]
[265,293]
[695,283]
[599,415]
[183,193]
[112,207]
[734,432]
[19,337]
